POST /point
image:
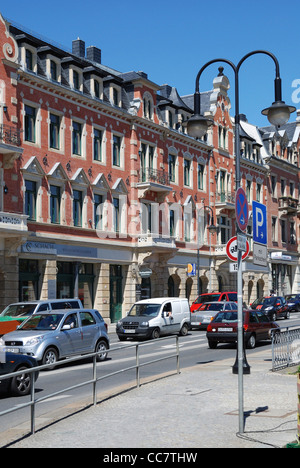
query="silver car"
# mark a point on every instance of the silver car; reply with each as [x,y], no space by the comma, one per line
[207,311]
[51,336]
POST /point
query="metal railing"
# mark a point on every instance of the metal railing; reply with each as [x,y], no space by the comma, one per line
[10,135]
[93,381]
[285,347]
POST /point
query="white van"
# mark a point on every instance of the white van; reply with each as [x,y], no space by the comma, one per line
[152,318]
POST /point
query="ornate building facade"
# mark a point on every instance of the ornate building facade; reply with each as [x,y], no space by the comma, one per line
[104,195]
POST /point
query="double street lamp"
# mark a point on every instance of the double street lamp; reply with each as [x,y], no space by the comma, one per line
[197,126]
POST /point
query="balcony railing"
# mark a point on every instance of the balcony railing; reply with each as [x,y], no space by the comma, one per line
[288,204]
[225,197]
[10,135]
[158,176]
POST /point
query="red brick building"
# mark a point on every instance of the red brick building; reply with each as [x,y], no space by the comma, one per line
[104,195]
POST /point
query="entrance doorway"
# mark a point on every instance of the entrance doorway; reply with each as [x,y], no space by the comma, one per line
[116,297]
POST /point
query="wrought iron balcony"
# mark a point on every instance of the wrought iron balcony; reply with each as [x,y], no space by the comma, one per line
[224,200]
[288,205]
[155,180]
[10,135]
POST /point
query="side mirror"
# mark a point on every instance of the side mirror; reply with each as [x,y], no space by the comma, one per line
[66,327]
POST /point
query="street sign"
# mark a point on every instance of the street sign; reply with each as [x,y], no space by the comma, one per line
[191,269]
[259,222]
[232,249]
[260,254]
[233,267]
[241,242]
[241,209]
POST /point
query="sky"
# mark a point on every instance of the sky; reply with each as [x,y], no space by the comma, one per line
[171,40]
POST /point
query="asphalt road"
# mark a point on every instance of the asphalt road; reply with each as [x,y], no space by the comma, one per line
[193,351]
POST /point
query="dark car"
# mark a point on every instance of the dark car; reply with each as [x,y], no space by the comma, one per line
[293,301]
[224,328]
[21,384]
[213,297]
[274,307]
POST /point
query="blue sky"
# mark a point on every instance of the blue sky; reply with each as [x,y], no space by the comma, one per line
[171,40]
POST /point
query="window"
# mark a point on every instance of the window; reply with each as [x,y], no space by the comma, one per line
[292,233]
[146,162]
[292,189]
[77,208]
[76,83]
[97,89]
[282,187]
[273,185]
[186,172]
[30,199]
[200,176]
[248,190]
[54,131]
[55,204]
[86,319]
[258,192]
[29,59]
[97,145]
[116,151]
[30,121]
[76,138]
[283,230]
[115,97]
[116,205]
[274,229]
[148,107]
[53,70]
[98,200]
[172,167]
[224,223]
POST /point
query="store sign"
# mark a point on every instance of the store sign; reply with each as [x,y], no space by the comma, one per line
[45,248]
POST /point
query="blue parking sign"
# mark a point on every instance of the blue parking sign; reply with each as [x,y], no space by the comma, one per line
[259,222]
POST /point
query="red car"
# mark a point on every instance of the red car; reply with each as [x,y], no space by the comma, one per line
[213,297]
[224,328]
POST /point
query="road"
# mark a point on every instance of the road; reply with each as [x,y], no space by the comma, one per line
[193,351]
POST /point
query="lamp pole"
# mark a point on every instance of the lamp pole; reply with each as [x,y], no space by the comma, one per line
[212,229]
[278,114]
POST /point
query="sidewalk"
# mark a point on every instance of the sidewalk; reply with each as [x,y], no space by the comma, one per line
[196,409]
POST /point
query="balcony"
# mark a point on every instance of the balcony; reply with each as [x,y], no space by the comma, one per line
[224,201]
[156,242]
[288,205]
[10,142]
[12,223]
[154,180]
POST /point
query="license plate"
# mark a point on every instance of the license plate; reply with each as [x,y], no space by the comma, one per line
[225,329]
[129,331]
[12,350]
[195,323]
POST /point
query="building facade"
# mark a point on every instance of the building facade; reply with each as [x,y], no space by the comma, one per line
[104,195]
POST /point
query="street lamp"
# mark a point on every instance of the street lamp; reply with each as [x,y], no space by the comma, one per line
[278,114]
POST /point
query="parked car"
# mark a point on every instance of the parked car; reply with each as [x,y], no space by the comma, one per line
[21,384]
[151,318]
[293,301]
[16,313]
[50,336]
[274,307]
[224,328]
[213,297]
[207,311]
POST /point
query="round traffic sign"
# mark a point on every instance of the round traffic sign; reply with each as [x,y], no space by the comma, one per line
[241,209]
[232,250]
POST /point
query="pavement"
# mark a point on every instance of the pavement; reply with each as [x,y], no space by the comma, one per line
[197,408]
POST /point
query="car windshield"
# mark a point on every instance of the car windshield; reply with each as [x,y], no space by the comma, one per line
[144,310]
[292,297]
[226,317]
[42,322]
[207,298]
[18,310]
[269,301]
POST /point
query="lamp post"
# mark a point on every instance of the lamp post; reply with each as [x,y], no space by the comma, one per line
[278,114]
[212,229]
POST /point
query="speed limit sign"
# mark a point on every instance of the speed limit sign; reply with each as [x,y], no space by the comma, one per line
[232,249]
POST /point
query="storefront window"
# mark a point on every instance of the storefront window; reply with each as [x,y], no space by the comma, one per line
[28,280]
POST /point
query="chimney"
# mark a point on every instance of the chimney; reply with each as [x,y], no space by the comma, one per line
[78,48]
[93,54]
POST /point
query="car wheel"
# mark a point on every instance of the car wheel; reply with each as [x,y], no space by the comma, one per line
[101,348]
[184,330]
[251,343]
[212,344]
[155,334]
[21,384]
[50,357]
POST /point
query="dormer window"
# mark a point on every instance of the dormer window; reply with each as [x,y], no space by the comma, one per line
[76,79]
[148,106]
[53,70]
[97,88]
[28,58]
[115,96]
